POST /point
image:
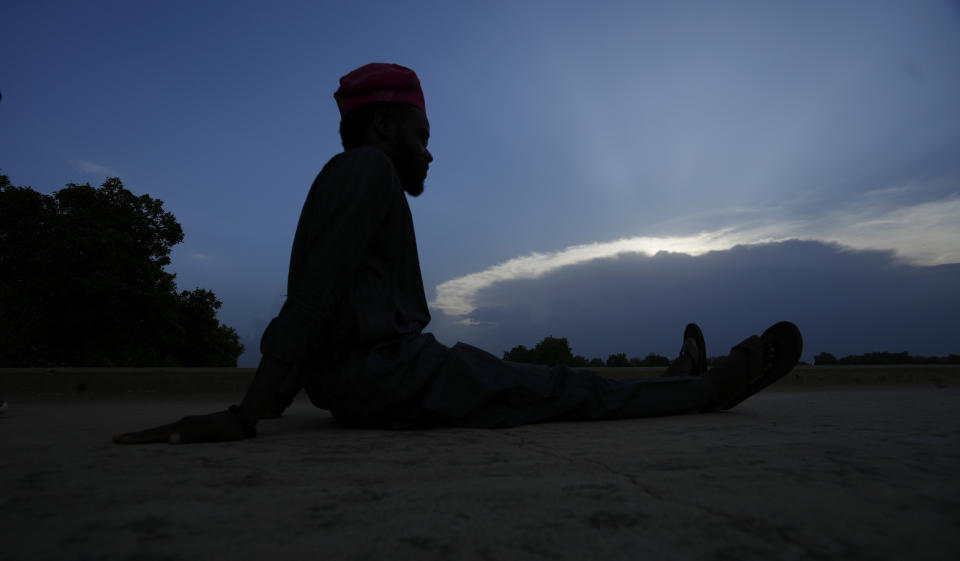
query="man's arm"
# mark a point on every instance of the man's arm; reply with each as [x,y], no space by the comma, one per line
[334,232]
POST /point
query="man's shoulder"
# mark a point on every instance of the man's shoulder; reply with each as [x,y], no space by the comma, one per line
[361,170]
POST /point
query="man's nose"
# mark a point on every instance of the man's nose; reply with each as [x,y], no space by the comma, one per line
[429,156]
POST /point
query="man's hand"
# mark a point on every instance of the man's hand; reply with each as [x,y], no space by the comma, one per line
[215,427]
[270,392]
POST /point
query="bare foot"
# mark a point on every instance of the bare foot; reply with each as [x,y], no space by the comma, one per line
[215,427]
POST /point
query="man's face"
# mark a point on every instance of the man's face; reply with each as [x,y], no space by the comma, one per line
[409,152]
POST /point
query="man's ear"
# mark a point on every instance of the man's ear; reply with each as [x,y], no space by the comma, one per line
[384,126]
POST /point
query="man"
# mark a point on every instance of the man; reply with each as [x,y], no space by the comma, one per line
[351,329]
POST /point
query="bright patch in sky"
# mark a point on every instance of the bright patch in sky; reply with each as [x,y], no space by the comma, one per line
[456,296]
[922,234]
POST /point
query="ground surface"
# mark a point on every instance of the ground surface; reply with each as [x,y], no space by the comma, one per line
[828,474]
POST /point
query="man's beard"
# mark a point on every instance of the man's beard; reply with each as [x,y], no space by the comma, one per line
[413,183]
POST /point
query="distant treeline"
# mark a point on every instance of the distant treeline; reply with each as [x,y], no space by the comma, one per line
[553,351]
[884,358]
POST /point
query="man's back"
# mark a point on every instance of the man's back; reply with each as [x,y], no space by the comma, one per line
[354,278]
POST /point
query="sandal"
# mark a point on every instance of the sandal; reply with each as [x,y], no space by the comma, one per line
[690,361]
[782,345]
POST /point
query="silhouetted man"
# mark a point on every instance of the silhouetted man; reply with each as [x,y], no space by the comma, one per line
[351,329]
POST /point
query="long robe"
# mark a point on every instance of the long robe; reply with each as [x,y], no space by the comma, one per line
[355,312]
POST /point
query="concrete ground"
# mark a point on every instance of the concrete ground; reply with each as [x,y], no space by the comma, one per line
[864,473]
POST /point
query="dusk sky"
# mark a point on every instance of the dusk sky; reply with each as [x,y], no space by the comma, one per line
[573,141]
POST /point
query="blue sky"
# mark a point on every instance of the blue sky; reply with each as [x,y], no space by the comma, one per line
[572,140]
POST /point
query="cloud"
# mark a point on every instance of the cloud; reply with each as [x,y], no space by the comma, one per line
[197,256]
[922,234]
[92,167]
[845,301]
[456,296]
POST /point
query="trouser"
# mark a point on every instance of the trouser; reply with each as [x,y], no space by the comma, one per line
[421,381]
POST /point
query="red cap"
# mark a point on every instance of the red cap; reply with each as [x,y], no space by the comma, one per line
[379,81]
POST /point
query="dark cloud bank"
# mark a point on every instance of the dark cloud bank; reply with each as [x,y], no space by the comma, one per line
[844,301]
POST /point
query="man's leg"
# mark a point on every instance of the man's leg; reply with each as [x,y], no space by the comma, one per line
[475,388]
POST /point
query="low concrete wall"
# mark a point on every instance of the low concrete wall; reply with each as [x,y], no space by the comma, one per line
[145,381]
[937,375]
[124,380]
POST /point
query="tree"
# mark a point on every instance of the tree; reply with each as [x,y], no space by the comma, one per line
[578,361]
[82,283]
[550,351]
[653,359]
[519,354]
[596,361]
[553,351]
[212,343]
[618,359]
[824,358]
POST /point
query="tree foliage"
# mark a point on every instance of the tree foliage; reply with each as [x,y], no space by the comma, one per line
[550,351]
[520,353]
[82,283]
[652,359]
[824,358]
[618,359]
[882,358]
